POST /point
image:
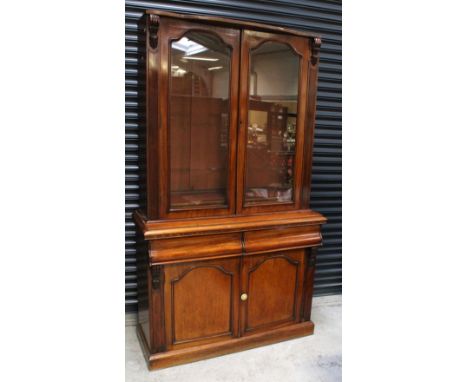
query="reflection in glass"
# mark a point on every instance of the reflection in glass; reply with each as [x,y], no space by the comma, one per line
[199,121]
[271,135]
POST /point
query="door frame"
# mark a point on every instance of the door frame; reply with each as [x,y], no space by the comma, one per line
[251,40]
[159,136]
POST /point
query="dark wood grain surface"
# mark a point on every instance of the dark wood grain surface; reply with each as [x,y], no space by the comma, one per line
[220,274]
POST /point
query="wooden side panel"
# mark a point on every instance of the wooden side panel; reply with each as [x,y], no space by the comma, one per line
[157,332]
[273,284]
[201,301]
[144,305]
[314,46]
[311,258]
[153,66]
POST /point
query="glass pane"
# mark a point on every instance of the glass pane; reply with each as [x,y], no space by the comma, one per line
[199,121]
[271,136]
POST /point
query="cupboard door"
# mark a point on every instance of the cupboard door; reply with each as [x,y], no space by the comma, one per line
[271,290]
[201,301]
[198,103]
[273,89]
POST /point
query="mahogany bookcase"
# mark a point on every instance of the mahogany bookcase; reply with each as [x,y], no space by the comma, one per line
[231,241]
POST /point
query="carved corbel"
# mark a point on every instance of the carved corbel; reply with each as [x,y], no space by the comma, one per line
[153,31]
[156,276]
[312,260]
[315,44]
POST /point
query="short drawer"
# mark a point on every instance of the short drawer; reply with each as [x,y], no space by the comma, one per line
[199,247]
[282,239]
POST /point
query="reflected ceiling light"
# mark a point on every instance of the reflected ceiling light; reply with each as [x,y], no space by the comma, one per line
[178,73]
[187,46]
[215,68]
[200,58]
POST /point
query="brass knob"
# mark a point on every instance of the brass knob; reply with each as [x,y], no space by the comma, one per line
[244,296]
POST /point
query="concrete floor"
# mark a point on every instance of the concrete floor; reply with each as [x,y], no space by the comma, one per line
[314,358]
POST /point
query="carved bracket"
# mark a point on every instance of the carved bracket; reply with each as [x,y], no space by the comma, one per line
[153,31]
[315,44]
[156,276]
[312,261]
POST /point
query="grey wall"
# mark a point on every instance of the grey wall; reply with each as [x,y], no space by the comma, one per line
[323,17]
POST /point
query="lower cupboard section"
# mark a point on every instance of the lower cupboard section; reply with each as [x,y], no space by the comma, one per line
[218,300]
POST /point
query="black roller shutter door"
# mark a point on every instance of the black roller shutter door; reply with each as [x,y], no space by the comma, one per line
[323,17]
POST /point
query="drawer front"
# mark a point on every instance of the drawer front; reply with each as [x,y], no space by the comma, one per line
[195,247]
[282,239]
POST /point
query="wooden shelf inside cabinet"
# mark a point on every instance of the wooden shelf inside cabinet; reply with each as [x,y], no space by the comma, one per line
[230,239]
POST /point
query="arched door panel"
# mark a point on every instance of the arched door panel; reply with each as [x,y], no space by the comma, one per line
[273,285]
[201,301]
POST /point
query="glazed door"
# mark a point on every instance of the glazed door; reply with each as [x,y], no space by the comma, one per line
[201,302]
[273,92]
[271,290]
[198,103]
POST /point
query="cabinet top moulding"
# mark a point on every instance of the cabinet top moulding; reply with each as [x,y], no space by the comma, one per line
[159,229]
[224,21]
